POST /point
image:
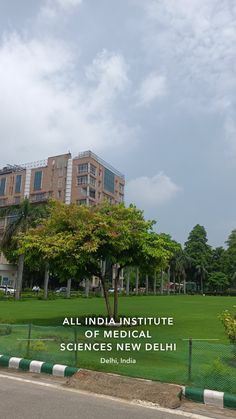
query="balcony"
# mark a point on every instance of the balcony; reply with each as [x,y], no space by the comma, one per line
[40,197]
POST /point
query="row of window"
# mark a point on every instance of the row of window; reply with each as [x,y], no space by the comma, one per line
[3,182]
[86,167]
[84,180]
[109,180]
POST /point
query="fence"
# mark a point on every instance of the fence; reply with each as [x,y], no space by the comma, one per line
[206,364]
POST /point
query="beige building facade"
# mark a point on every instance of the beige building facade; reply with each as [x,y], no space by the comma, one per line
[84,179]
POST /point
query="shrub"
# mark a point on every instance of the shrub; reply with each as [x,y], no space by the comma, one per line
[38,346]
[217,377]
[5,330]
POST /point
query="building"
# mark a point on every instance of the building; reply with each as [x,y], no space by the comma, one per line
[83,179]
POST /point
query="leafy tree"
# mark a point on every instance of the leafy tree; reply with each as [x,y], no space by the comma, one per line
[229,258]
[20,219]
[199,252]
[218,281]
[81,241]
[217,259]
[179,265]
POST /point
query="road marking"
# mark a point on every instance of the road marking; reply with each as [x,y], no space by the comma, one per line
[136,403]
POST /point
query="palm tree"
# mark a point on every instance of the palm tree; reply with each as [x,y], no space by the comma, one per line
[20,219]
[182,264]
[201,273]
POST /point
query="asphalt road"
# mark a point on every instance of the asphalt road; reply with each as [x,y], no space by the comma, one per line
[22,399]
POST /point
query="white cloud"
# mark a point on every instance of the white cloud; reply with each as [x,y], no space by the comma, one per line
[66,4]
[151,192]
[108,72]
[51,9]
[152,87]
[45,109]
[195,42]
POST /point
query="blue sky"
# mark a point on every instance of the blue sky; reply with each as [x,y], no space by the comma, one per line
[148,85]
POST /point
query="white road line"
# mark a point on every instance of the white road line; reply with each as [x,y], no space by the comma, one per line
[139,403]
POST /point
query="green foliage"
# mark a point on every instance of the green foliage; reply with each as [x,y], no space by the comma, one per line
[229,258]
[218,281]
[229,324]
[216,376]
[20,218]
[199,252]
[38,346]
[5,330]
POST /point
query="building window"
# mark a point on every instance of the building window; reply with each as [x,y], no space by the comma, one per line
[82,180]
[91,202]
[38,180]
[38,197]
[18,184]
[121,188]
[17,200]
[109,181]
[2,186]
[3,202]
[93,169]
[83,168]
[59,183]
[83,191]
[59,194]
[92,193]
[121,198]
[92,181]
[81,201]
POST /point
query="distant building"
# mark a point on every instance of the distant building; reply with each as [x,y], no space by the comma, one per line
[84,179]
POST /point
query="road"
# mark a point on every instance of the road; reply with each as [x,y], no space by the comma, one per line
[23,397]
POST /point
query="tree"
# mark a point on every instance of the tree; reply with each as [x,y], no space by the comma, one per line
[81,241]
[229,258]
[218,281]
[217,259]
[199,252]
[21,218]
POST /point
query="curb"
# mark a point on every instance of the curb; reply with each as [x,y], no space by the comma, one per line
[57,370]
[216,398]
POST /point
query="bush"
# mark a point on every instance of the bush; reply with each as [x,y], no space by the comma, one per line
[38,346]
[217,377]
[5,330]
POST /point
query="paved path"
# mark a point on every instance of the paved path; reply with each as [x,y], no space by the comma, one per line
[26,396]
[22,399]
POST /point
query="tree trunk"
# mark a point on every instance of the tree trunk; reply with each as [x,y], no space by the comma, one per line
[137,281]
[87,287]
[116,283]
[174,281]
[155,283]
[104,289]
[146,285]
[46,280]
[19,276]
[201,279]
[68,288]
[162,274]
[184,281]
[127,282]
[168,290]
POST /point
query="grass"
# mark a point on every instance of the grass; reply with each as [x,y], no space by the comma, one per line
[194,316]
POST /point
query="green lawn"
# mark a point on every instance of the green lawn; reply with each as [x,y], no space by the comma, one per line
[194,316]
